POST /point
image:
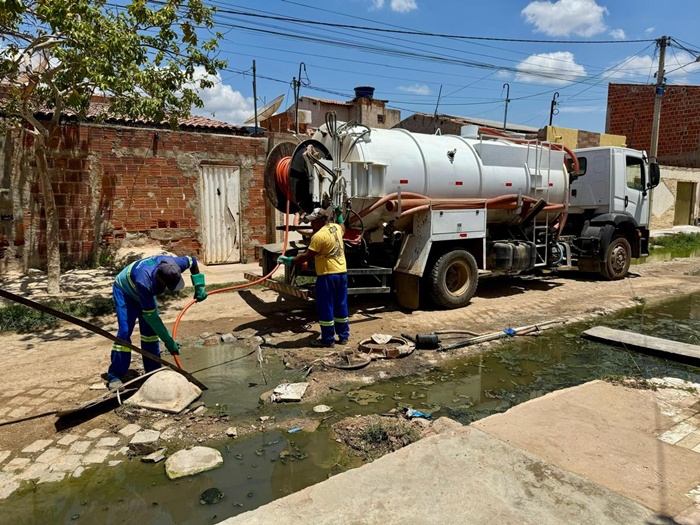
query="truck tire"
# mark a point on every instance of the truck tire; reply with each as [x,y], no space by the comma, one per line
[453,279]
[618,257]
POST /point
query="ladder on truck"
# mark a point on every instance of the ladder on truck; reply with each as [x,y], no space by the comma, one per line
[540,179]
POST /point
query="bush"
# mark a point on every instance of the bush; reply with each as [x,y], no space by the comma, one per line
[678,241]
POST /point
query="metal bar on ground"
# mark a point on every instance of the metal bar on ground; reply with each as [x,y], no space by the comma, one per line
[645,343]
[99,331]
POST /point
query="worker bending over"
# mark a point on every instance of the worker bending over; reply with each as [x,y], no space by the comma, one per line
[135,290]
[327,251]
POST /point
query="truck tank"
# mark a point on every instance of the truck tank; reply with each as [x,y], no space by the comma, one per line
[371,164]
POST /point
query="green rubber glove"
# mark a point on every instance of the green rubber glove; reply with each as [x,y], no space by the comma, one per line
[155,322]
[198,282]
[285,259]
[339,219]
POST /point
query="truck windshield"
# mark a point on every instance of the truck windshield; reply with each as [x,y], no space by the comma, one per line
[635,173]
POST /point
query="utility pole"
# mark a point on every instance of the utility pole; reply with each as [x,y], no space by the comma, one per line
[255,100]
[505,116]
[660,84]
[297,87]
[435,115]
[552,109]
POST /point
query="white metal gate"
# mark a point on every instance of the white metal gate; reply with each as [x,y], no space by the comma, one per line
[220,206]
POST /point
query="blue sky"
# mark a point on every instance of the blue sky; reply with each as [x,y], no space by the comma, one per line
[408,70]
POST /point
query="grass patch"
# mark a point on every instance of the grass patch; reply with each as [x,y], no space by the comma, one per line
[20,318]
[679,241]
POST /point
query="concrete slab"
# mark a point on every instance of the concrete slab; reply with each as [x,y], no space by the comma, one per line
[463,476]
[608,434]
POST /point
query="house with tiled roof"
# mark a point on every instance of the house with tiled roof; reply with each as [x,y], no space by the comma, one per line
[364,109]
[193,190]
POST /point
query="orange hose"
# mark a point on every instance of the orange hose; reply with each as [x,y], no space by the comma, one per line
[283,177]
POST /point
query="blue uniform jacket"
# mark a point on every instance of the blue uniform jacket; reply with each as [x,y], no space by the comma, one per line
[138,280]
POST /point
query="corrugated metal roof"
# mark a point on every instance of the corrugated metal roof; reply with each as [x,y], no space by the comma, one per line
[486,122]
[99,107]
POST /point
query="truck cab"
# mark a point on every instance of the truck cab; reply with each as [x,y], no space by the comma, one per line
[610,206]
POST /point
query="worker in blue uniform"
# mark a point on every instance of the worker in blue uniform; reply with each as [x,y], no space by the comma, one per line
[135,290]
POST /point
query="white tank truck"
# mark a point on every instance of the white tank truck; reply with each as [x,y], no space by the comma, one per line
[427,215]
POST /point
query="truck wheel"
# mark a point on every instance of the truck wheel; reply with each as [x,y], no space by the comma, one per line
[617,259]
[453,279]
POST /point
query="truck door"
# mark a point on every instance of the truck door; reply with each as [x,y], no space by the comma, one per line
[629,187]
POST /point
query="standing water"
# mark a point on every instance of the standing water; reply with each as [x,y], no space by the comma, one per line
[267,466]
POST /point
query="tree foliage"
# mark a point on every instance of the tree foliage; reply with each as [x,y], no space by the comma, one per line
[146,56]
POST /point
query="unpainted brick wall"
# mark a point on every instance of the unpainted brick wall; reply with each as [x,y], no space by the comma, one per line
[114,184]
[630,113]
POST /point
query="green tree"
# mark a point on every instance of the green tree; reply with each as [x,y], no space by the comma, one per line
[56,54]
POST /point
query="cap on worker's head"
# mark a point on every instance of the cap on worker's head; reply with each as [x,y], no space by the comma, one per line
[172,275]
[318,213]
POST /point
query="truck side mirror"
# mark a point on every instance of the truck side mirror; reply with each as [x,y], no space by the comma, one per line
[654,175]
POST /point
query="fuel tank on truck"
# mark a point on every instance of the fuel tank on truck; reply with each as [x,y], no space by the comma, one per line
[376,162]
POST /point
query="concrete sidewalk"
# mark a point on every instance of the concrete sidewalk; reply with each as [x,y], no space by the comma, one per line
[593,454]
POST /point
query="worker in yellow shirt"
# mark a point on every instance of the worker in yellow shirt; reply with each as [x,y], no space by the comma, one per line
[327,251]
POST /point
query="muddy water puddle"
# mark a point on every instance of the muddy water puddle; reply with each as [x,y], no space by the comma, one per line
[266,466]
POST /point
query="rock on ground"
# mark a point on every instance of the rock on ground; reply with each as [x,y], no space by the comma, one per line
[167,391]
[192,461]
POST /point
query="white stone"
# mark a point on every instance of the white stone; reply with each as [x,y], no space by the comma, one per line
[4,454]
[114,462]
[108,442]
[129,430]
[167,391]
[121,452]
[144,442]
[95,433]
[289,392]
[98,455]
[98,386]
[16,464]
[8,484]
[52,477]
[68,439]
[678,432]
[170,433]
[192,461]
[227,339]
[156,457]
[37,446]
[78,472]
[34,471]
[50,455]
[80,447]
[199,410]
[66,463]
[320,409]
[232,432]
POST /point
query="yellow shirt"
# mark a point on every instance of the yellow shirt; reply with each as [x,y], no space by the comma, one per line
[328,244]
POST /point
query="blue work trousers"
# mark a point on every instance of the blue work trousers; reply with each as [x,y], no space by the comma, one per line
[128,310]
[332,306]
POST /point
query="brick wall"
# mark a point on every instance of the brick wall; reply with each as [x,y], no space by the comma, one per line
[630,113]
[116,185]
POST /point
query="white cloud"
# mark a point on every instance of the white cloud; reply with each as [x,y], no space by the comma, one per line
[649,30]
[376,4]
[222,103]
[642,68]
[556,68]
[403,6]
[566,17]
[618,34]
[415,89]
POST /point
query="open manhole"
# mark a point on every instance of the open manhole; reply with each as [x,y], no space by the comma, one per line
[394,348]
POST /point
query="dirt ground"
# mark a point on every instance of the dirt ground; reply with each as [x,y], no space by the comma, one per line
[54,369]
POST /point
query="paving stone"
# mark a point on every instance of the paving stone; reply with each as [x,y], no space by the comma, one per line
[95,433]
[4,454]
[157,456]
[8,484]
[144,442]
[34,471]
[98,455]
[67,463]
[98,386]
[108,442]
[80,447]
[68,439]
[78,472]
[50,455]
[36,401]
[18,400]
[16,464]
[36,392]
[129,430]
[37,446]
[20,411]
[52,477]
[4,410]
[114,462]
[12,393]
